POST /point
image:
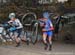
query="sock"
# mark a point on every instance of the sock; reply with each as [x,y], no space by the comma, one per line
[50,43]
[46,46]
[50,46]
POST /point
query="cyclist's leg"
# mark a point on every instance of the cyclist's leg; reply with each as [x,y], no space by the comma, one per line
[17,41]
[18,37]
[44,39]
[50,34]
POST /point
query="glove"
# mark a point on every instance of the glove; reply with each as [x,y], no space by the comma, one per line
[52,28]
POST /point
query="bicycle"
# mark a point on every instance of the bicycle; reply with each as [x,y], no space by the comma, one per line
[31,27]
[6,35]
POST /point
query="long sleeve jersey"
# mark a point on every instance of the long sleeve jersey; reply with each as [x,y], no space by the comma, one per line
[16,23]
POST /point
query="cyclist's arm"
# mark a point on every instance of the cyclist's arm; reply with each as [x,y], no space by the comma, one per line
[19,25]
[42,23]
[51,25]
[10,21]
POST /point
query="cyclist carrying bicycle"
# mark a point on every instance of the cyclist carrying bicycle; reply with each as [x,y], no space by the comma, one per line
[47,30]
[16,27]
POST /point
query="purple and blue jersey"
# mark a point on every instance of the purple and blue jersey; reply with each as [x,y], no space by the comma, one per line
[48,25]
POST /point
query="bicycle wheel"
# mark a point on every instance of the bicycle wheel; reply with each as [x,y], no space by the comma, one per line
[34,37]
[28,18]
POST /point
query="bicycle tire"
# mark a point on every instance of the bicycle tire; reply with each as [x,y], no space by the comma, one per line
[34,38]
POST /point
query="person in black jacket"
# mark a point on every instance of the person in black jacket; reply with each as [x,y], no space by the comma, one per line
[56,25]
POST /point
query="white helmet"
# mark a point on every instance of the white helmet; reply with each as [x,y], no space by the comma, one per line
[12,15]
